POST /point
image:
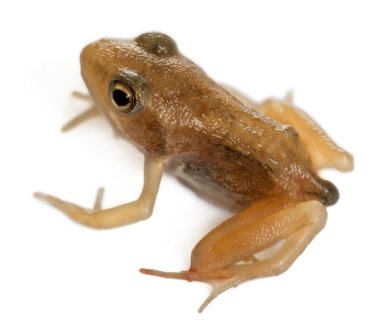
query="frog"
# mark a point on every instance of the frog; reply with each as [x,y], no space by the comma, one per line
[258,160]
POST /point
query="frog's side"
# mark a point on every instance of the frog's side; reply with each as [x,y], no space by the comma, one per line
[260,160]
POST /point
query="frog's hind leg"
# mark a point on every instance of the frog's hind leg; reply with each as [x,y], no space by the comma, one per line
[225,257]
[323,151]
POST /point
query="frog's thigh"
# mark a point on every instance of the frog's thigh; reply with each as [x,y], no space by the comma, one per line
[255,229]
[221,257]
[121,215]
[322,149]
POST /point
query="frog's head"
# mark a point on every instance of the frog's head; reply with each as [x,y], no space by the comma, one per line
[121,69]
[125,78]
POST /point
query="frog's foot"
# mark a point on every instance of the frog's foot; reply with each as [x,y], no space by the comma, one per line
[72,210]
[89,113]
[219,281]
[225,257]
[81,95]
[121,215]
[60,204]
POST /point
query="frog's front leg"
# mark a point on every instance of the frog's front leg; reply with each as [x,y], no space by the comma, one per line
[224,258]
[121,215]
[89,113]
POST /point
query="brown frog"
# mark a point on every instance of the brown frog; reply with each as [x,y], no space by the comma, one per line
[259,160]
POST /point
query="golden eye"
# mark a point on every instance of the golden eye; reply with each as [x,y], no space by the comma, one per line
[122,96]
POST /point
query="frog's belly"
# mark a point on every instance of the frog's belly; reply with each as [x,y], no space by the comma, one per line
[232,183]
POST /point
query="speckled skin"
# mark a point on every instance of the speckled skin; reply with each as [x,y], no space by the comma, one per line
[258,159]
[227,152]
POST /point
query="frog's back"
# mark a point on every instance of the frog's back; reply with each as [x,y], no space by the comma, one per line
[239,156]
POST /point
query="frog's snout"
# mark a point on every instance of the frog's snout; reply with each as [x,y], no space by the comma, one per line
[88,57]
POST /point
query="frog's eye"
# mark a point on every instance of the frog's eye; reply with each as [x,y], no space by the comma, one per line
[123,97]
[128,91]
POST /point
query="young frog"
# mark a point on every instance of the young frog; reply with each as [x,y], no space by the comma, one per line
[259,160]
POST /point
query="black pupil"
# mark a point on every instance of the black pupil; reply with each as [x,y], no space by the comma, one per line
[120,97]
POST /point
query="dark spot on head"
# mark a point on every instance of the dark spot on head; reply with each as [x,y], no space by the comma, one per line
[157,44]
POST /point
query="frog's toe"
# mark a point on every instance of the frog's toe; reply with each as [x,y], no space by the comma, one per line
[90,113]
[219,281]
[67,208]
[190,275]
[81,95]
[184,275]
[52,200]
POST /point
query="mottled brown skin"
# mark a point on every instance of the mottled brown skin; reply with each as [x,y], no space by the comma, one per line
[229,153]
[257,159]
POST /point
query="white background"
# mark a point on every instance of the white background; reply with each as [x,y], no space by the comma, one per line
[58,276]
